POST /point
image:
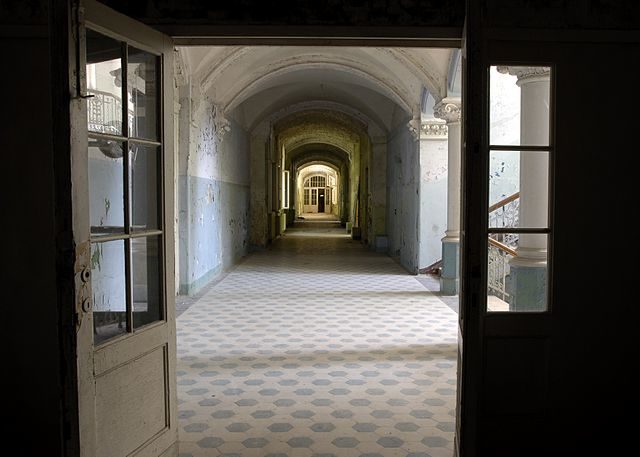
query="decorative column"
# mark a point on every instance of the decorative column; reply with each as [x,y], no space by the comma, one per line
[449,110]
[528,271]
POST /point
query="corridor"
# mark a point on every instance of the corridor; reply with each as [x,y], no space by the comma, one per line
[317,347]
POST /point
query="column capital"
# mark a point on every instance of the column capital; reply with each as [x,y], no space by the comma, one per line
[449,109]
[526,74]
[433,129]
[414,127]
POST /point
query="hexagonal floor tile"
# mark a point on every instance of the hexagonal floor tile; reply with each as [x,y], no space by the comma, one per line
[390,441]
[382,414]
[238,427]
[322,427]
[300,441]
[196,427]
[434,441]
[223,414]
[284,402]
[254,443]
[280,427]
[342,414]
[345,442]
[406,426]
[262,414]
[365,427]
[210,442]
[421,413]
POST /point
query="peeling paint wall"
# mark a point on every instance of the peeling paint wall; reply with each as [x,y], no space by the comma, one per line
[403,178]
[433,199]
[214,196]
[378,189]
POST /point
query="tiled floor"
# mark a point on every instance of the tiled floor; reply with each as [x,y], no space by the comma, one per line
[317,347]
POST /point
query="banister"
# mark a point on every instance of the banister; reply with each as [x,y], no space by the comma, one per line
[503,247]
[504,201]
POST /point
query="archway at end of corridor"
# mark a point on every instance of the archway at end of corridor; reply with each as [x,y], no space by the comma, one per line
[317,190]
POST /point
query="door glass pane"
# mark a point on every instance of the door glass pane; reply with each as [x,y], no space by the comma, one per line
[108,287]
[104,82]
[144,166]
[106,187]
[519,105]
[517,272]
[142,91]
[146,274]
[518,189]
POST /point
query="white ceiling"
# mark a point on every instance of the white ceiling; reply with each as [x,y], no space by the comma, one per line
[253,83]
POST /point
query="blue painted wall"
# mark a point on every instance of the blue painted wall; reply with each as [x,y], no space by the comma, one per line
[213,203]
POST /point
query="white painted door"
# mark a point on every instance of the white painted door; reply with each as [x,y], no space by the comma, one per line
[124,223]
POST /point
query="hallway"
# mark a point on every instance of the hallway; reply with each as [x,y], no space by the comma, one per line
[317,346]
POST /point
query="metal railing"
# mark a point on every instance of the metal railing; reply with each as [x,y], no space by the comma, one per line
[502,246]
[104,113]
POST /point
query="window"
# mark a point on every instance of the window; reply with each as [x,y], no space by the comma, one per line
[125,175]
[314,196]
[315,181]
[285,189]
[520,152]
[306,197]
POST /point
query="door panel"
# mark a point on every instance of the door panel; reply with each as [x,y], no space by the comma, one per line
[122,393]
[534,381]
[126,336]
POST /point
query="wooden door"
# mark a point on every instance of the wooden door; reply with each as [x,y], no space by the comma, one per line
[530,374]
[321,200]
[123,182]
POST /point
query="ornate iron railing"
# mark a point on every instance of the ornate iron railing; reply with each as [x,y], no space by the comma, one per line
[104,112]
[502,247]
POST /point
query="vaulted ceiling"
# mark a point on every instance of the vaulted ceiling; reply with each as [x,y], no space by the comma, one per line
[382,86]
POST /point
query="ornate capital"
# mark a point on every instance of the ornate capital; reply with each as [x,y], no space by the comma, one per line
[526,74]
[221,124]
[448,109]
[433,129]
[414,127]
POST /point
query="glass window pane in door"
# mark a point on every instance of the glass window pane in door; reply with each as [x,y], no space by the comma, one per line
[517,272]
[519,102]
[142,91]
[518,189]
[104,82]
[106,187]
[145,191]
[108,287]
[146,274]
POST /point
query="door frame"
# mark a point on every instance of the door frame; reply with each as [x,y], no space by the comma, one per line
[74,252]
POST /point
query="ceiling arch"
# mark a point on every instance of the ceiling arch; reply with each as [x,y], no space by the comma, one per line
[369,121]
[253,82]
[311,168]
[317,152]
[290,70]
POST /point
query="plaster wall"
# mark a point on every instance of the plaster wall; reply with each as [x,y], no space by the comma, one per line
[403,178]
[378,188]
[433,199]
[213,194]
